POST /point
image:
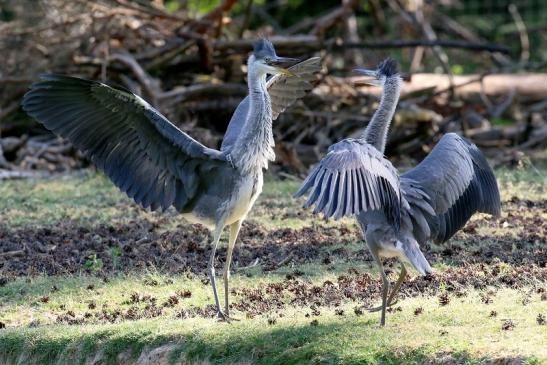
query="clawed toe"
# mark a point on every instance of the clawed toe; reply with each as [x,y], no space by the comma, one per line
[379,308]
[223,317]
[374,309]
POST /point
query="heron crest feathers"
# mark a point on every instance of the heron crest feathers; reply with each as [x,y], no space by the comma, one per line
[263,48]
[388,67]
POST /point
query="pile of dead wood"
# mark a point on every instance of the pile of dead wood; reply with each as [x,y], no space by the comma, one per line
[192,68]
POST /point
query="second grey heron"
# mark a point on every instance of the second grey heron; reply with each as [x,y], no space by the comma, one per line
[398,213]
[160,166]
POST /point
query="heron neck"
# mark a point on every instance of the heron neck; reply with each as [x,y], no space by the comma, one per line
[376,131]
[254,146]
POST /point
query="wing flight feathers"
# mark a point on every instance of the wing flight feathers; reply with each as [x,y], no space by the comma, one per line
[353,177]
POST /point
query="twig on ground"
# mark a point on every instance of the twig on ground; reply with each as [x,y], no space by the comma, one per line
[150,84]
[523,34]
[402,43]
[20,174]
[323,24]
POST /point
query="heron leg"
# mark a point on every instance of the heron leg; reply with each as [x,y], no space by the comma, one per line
[385,287]
[394,291]
[211,268]
[385,290]
[234,231]
[397,286]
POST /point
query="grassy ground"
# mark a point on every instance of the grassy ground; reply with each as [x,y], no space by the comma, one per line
[102,305]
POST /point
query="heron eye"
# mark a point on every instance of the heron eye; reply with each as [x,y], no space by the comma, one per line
[267,59]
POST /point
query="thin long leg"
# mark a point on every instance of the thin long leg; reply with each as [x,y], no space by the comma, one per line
[211,267]
[394,291]
[385,288]
[234,231]
[397,286]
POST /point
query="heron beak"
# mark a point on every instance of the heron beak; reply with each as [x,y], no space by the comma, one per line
[415,257]
[372,76]
[280,64]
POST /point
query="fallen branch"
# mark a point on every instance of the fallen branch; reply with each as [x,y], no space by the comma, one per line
[152,11]
[182,93]
[14,80]
[404,43]
[300,42]
[8,174]
[333,17]
[284,261]
[10,108]
[9,254]
[464,32]
[206,23]
[151,85]
[532,85]
[523,34]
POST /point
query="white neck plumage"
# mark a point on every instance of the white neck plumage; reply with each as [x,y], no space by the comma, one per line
[254,147]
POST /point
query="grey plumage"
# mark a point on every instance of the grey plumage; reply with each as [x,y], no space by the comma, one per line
[283,91]
[458,182]
[145,155]
[375,133]
[160,166]
[351,178]
[398,213]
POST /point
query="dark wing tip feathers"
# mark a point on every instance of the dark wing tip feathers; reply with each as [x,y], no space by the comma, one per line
[142,153]
[388,67]
[490,195]
[482,195]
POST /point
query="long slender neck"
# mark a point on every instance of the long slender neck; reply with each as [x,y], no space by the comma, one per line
[376,131]
[254,146]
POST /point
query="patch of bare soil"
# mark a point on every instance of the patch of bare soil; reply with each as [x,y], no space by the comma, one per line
[360,288]
[492,261]
[69,247]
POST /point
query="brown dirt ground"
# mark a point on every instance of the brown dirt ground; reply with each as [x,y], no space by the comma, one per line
[492,261]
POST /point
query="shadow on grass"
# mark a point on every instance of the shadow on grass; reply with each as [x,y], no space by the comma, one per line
[327,339]
[331,343]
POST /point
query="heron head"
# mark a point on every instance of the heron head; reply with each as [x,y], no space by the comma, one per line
[385,69]
[265,60]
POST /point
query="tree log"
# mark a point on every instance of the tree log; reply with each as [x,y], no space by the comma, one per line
[531,85]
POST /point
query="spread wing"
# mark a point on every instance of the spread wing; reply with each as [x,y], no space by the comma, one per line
[458,181]
[283,90]
[143,153]
[353,177]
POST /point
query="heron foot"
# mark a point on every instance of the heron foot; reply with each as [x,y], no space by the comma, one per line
[379,308]
[223,317]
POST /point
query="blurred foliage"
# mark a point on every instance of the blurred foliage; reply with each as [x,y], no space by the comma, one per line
[489,19]
[182,43]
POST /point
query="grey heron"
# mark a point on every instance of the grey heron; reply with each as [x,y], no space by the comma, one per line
[160,166]
[398,213]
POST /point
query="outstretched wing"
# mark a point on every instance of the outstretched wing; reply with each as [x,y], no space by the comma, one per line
[143,153]
[458,181]
[353,177]
[283,90]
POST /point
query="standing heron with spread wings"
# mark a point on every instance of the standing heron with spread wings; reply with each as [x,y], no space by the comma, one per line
[160,166]
[398,213]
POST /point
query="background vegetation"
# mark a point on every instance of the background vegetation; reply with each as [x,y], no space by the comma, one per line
[471,67]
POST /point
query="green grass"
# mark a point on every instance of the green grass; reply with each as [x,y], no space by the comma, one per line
[468,330]
[461,332]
